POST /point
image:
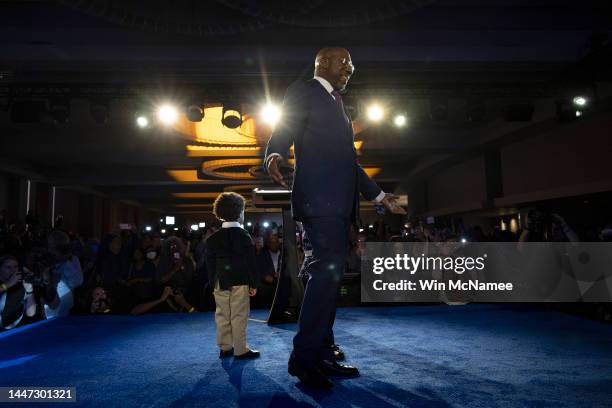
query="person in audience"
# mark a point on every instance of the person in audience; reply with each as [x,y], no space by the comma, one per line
[268,266]
[65,270]
[156,305]
[111,266]
[100,302]
[176,270]
[231,264]
[16,296]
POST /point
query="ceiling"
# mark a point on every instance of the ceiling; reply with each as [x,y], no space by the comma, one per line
[408,54]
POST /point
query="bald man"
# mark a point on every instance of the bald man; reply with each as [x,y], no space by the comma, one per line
[325,198]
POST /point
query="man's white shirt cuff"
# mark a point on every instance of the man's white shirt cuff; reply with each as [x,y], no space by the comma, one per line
[380,197]
[270,158]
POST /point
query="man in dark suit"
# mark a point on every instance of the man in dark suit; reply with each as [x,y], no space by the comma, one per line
[325,198]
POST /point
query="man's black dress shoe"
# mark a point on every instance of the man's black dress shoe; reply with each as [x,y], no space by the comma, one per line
[311,377]
[338,353]
[249,355]
[226,353]
[335,369]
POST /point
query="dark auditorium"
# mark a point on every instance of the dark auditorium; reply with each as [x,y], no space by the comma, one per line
[243,203]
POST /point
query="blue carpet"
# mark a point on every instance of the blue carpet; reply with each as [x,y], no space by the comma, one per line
[419,356]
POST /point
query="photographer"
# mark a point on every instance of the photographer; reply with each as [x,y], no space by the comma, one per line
[546,227]
[65,271]
[176,271]
[16,296]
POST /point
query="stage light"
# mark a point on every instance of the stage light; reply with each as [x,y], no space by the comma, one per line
[231,117]
[195,113]
[375,113]
[249,224]
[176,228]
[169,220]
[142,121]
[167,114]
[148,228]
[463,240]
[270,114]
[266,224]
[370,226]
[163,231]
[400,120]
[59,109]
[202,224]
[194,227]
[99,111]
[360,229]
[161,220]
[580,101]
[578,113]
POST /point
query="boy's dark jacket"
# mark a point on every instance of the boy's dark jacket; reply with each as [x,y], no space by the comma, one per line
[230,258]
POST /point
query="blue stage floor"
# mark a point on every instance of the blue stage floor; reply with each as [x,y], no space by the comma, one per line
[419,356]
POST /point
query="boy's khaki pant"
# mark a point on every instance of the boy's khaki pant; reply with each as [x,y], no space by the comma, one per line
[231,317]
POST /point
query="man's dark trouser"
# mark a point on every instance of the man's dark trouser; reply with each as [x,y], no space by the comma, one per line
[329,239]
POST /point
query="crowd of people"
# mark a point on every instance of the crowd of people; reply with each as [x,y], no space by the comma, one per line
[53,273]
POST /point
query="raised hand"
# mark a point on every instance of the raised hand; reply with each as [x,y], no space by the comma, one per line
[390,203]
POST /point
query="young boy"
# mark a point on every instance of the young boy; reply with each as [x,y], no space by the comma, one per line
[230,260]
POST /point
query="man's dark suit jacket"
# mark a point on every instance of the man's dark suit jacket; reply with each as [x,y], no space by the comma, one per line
[328,177]
[230,258]
[265,265]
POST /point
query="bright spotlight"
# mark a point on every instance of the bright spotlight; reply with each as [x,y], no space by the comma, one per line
[194,227]
[249,224]
[270,114]
[176,228]
[463,240]
[370,226]
[375,113]
[142,121]
[266,224]
[169,220]
[578,113]
[399,120]
[148,228]
[167,114]
[202,224]
[161,220]
[163,231]
[580,101]
[360,229]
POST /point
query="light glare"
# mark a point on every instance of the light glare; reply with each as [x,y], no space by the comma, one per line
[580,101]
[399,120]
[167,114]
[375,113]
[142,121]
[271,114]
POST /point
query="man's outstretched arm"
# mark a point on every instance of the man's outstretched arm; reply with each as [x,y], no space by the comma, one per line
[294,114]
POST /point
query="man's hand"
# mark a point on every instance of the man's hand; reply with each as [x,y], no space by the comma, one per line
[390,202]
[274,171]
[252,291]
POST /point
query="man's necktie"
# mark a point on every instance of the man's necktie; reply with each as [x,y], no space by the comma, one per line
[338,99]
